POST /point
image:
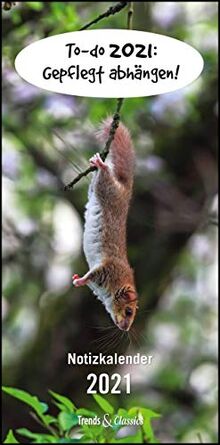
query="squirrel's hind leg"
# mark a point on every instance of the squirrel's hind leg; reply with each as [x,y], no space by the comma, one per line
[98,276]
[107,186]
[96,161]
[77,281]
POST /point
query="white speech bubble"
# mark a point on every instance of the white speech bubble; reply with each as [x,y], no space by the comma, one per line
[109,63]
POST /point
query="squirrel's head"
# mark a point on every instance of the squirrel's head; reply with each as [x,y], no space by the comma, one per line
[124,307]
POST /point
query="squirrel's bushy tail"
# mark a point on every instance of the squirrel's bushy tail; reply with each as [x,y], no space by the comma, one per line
[121,149]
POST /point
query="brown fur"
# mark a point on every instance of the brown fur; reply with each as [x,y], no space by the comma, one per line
[113,190]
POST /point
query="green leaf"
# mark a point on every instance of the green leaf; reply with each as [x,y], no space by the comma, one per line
[85,412]
[27,398]
[146,413]
[67,420]
[44,406]
[35,5]
[69,441]
[85,439]
[64,401]
[37,437]
[93,430]
[104,405]
[61,407]
[10,438]
[26,433]
[50,419]
[123,413]
[149,413]
[148,430]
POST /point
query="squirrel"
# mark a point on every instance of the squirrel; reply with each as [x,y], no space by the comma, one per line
[110,276]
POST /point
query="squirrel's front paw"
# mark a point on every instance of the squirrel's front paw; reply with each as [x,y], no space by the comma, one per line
[77,281]
[75,277]
[96,161]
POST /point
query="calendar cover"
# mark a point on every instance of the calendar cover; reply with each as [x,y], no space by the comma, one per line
[110,222]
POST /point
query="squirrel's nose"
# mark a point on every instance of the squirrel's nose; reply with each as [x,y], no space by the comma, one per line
[123,325]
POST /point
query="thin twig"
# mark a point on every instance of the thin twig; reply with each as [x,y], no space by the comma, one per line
[113,128]
[116,116]
[130,15]
[199,437]
[104,153]
[48,427]
[111,11]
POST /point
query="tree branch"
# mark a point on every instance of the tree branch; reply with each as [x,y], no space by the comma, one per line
[130,15]
[111,11]
[104,153]
[116,116]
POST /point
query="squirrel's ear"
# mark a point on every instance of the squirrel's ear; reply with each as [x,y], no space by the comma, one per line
[130,296]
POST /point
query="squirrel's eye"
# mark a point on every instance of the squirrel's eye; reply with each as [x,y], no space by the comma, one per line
[128,312]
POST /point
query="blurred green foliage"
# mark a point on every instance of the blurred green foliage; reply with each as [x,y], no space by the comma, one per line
[68,427]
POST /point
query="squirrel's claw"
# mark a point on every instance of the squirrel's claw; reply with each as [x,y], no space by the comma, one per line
[96,161]
[77,281]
